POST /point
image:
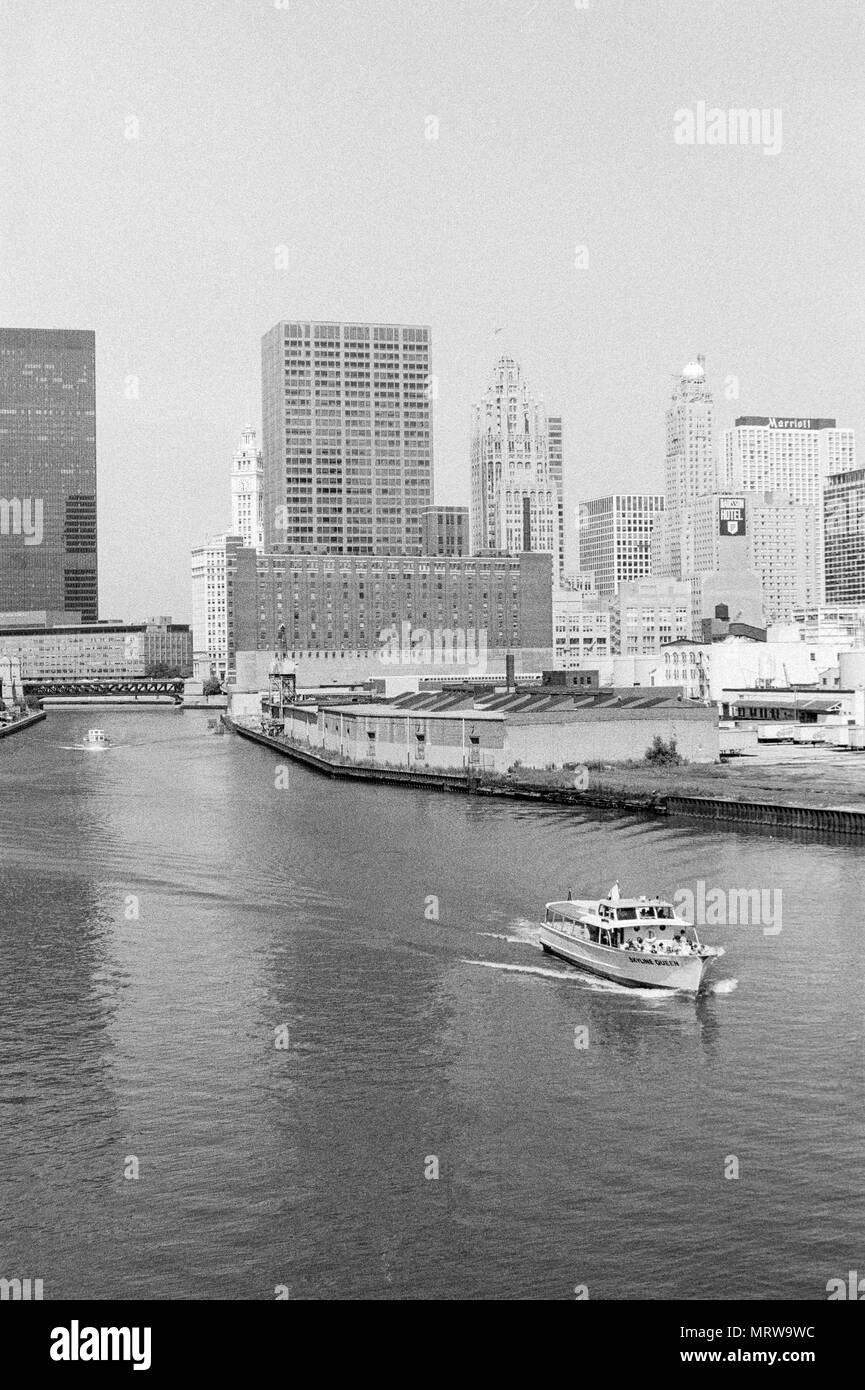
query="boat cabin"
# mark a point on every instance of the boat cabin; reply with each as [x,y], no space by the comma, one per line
[618,923]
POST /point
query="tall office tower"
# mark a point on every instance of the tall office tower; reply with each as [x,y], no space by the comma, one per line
[690,460]
[555,449]
[445,530]
[844,523]
[615,538]
[790,454]
[347,447]
[247,499]
[48,470]
[794,455]
[515,499]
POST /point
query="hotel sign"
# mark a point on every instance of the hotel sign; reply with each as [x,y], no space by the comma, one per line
[731,516]
[787,422]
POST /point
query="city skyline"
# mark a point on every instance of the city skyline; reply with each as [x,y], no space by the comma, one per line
[171,232]
[432,667]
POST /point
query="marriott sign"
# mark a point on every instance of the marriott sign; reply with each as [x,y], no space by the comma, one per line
[786,422]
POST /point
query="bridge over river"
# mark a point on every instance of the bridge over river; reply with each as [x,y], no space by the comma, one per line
[147,689]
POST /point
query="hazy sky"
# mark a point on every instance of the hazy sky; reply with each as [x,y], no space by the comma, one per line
[305,125]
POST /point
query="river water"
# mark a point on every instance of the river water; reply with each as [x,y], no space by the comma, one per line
[286,1003]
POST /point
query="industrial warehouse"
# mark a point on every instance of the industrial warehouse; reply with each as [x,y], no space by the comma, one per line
[493,731]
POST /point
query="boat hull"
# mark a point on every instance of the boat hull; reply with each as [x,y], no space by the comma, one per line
[668,971]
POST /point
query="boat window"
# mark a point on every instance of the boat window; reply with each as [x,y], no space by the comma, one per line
[665,911]
[627,914]
[647,912]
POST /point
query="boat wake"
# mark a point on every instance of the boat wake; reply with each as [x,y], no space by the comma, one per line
[82,747]
[721,986]
[528,934]
[582,979]
[521,969]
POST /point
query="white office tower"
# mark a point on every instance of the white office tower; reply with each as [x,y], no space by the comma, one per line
[555,451]
[213,628]
[347,444]
[614,537]
[794,455]
[515,496]
[690,457]
[789,454]
[247,492]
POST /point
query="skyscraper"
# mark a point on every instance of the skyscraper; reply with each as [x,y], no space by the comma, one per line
[615,538]
[48,471]
[515,498]
[845,537]
[690,458]
[347,447]
[790,454]
[246,492]
[555,449]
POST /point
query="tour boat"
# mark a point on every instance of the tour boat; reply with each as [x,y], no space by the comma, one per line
[96,739]
[637,941]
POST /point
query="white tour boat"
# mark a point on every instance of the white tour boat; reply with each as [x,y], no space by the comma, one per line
[637,941]
[96,739]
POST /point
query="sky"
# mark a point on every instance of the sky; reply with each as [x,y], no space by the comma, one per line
[178,175]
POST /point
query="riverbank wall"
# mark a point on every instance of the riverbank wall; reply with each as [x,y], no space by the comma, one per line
[728,811]
[18,724]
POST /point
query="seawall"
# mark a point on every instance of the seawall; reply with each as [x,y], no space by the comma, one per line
[19,724]
[734,814]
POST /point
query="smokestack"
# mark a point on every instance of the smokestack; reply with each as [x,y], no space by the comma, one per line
[510,682]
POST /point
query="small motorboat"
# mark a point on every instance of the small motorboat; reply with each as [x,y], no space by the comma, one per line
[636,941]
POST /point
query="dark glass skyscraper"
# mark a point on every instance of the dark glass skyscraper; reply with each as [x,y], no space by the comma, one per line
[48,471]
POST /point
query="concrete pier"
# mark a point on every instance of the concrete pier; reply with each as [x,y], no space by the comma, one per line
[18,724]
